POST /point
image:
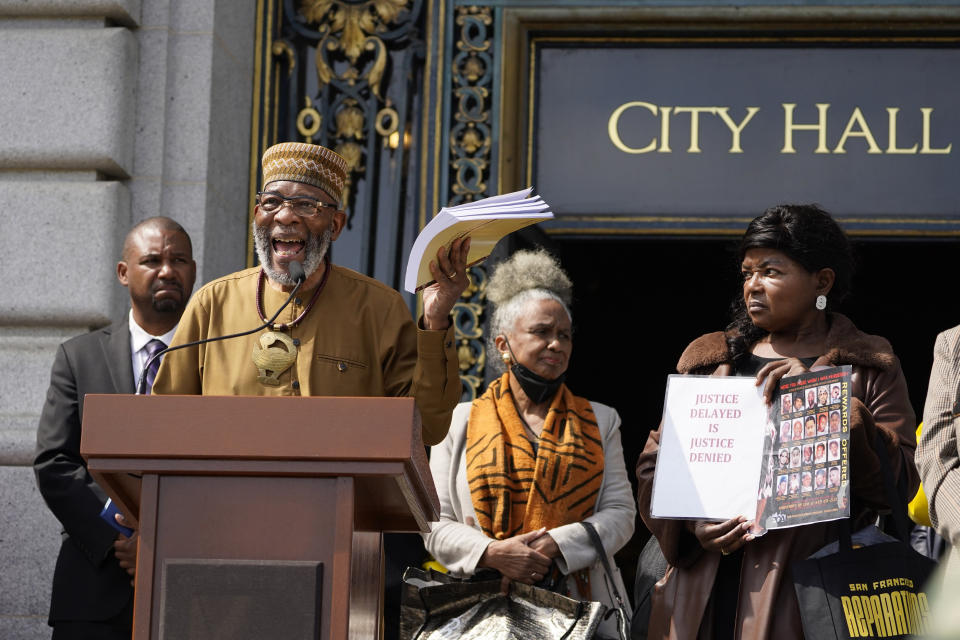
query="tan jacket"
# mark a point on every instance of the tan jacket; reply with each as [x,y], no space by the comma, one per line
[937,456]
[767,600]
[357,340]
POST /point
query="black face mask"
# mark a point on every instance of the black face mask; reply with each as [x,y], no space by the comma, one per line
[537,388]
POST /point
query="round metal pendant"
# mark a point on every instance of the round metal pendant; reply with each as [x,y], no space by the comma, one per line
[273,353]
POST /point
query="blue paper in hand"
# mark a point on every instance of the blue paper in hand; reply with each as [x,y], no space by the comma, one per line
[109,511]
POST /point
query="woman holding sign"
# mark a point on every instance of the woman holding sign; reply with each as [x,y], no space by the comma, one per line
[525,463]
[722,581]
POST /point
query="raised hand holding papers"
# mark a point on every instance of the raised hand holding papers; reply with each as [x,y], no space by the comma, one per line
[485,221]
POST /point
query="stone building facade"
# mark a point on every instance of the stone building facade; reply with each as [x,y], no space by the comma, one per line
[111,111]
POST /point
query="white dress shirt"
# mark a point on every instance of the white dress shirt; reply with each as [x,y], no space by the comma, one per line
[138,346]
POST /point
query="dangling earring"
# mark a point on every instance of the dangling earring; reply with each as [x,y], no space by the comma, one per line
[821,303]
[506,358]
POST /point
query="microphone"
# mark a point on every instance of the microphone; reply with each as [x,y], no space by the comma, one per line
[294,268]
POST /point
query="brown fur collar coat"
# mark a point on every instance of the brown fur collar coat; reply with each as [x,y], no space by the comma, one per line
[845,345]
[767,603]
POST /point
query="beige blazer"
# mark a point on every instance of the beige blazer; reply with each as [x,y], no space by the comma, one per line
[937,457]
[457,542]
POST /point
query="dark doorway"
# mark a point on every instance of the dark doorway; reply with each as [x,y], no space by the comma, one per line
[639,302]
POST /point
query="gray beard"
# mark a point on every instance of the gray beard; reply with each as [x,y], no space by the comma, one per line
[314,251]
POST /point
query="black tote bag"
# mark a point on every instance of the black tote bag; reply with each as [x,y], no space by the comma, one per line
[874,589]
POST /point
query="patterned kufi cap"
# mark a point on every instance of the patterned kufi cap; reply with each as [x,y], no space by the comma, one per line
[307,163]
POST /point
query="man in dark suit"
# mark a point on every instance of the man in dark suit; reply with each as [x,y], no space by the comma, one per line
[92,593]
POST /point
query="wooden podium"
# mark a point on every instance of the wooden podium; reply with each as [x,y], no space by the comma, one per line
[260,517]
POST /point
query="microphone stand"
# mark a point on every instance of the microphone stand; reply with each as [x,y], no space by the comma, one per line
[300,278]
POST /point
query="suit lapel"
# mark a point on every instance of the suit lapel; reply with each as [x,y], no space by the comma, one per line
[116,345]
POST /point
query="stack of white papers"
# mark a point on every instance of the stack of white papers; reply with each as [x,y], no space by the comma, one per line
[484,221]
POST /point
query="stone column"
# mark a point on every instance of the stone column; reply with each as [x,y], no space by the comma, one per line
[111,111]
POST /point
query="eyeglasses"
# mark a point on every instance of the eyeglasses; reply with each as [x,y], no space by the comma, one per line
[304,206]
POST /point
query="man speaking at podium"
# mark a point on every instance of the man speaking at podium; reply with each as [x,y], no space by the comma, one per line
[344,334]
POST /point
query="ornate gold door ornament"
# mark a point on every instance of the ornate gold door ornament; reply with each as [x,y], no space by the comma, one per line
[353,39]
[471,133]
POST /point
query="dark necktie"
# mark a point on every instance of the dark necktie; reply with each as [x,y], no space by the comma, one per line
[153,347]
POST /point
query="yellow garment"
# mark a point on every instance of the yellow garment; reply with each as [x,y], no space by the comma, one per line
[357,340]
[430,563]
[514,490]
[918,509]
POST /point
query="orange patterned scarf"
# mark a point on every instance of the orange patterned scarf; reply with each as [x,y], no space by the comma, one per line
[514,490]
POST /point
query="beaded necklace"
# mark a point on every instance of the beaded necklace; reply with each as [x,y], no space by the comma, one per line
[283,326]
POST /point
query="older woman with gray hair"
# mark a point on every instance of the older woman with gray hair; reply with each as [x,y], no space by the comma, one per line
[526,462]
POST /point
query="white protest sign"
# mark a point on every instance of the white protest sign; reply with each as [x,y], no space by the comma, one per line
[711,446]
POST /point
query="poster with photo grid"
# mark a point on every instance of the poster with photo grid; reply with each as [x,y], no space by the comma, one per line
[805,471]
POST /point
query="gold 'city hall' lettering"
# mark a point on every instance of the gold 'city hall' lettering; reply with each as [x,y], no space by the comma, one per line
[857,128]
[613,126]
[884,615]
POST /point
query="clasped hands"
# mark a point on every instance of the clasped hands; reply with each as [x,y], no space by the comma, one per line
[525,558]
